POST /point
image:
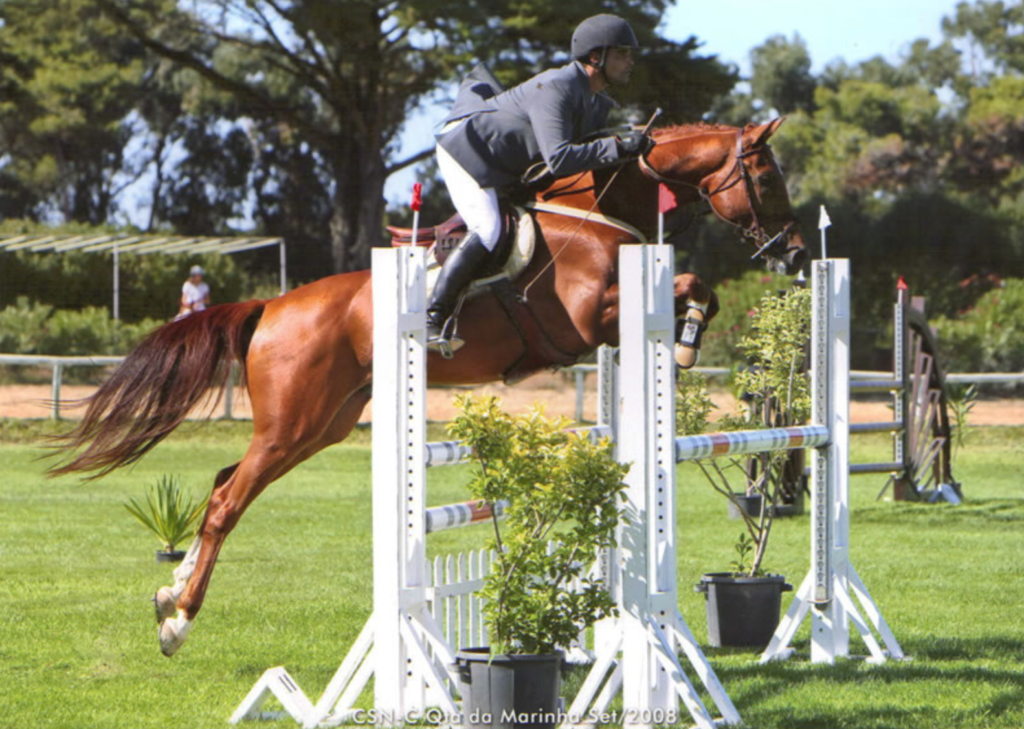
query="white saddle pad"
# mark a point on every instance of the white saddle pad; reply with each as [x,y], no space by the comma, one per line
[522,252]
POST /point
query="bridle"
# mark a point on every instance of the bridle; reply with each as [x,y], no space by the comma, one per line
[770,245]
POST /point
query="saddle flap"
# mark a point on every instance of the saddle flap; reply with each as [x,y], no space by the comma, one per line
[453,228]
[520,253]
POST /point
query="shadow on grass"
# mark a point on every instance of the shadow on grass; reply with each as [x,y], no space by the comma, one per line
[939,663]
[973,511]
[967,649]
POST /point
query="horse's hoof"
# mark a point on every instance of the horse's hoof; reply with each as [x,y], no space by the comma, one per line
[173,633]
[164,603]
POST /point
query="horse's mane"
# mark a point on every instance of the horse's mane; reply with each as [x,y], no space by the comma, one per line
[685,130]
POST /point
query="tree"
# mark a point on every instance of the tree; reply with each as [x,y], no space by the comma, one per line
[782,75]
[989,147]
[69,81]
[993,34]
[197,197]
[339,77]
[918,161]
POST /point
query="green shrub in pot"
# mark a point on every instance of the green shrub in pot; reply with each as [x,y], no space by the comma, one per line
[169,513]
[563,495]
[561,488]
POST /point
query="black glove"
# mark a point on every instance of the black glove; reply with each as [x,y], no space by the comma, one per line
[634,144]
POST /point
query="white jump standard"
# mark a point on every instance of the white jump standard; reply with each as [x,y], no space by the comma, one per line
[828,588]
[393,645]
[650,632]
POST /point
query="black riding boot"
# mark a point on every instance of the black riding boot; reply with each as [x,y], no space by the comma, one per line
[459,269]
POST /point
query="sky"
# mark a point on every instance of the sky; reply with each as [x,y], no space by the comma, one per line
[853,30]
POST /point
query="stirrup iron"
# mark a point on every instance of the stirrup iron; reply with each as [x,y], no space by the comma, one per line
[448,341]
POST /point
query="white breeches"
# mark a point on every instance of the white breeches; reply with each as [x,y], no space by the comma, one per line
[477,205]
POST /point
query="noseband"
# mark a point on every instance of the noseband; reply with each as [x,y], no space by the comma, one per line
[766,244]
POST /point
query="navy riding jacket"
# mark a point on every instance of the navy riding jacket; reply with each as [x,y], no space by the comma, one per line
[503,134]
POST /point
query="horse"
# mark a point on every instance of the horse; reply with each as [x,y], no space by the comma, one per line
[307,356]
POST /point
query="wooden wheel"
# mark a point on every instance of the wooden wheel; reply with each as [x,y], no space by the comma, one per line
[926,443]
[923,448]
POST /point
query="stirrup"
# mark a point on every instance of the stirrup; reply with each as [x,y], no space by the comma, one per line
[447,347]
[447,341]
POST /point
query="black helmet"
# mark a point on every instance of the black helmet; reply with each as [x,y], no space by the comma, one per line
[602,31]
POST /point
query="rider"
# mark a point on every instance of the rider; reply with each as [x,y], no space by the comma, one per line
[489,141]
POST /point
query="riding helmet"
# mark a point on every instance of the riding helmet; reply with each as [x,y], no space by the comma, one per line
[602,31]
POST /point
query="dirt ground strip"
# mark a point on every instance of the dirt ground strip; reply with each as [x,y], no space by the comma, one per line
[556,392]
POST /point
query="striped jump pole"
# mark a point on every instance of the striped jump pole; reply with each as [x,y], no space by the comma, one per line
[744,442]
[466,513]
[453,452]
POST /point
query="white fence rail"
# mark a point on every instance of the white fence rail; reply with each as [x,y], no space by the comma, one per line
[59,364]
[580,372]
[454,583]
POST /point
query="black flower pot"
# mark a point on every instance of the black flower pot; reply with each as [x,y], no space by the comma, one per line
[509,692]
[791,505]
[742,612]
[750,504]
[165,556]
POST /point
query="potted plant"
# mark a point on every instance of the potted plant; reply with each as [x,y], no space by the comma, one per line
[169,514]
[563,495]
[743,605]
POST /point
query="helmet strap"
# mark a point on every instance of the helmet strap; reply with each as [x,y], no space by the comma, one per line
[600,66]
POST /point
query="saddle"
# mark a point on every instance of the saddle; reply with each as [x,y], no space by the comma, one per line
[511,257]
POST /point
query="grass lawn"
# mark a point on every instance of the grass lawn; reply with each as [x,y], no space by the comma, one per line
[78,644]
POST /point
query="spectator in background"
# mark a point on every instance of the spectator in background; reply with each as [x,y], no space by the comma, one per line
[195,293]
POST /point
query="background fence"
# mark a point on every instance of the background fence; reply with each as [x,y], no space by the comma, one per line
[580,372]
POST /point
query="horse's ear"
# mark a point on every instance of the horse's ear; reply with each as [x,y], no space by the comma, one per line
[756,135]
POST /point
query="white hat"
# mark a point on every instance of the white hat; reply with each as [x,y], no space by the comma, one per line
[196,271]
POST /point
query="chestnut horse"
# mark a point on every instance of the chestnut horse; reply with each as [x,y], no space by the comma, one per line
[307,356]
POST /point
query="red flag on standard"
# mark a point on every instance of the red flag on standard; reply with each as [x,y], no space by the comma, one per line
[666,198]
[417,196]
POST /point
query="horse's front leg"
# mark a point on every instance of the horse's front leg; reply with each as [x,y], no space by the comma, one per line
[695,305]
[694,300]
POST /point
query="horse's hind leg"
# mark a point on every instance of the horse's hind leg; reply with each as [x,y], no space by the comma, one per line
[269,458]
[258,468]
[166,597]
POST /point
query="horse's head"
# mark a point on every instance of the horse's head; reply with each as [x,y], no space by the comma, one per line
[734,171]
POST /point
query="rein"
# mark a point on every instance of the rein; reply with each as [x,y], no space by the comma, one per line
[544,207]
[590,214]
[738,175]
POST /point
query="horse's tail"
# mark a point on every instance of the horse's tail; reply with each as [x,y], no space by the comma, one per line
[164,378]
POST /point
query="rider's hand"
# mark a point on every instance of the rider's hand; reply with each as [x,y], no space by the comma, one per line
[634,144]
